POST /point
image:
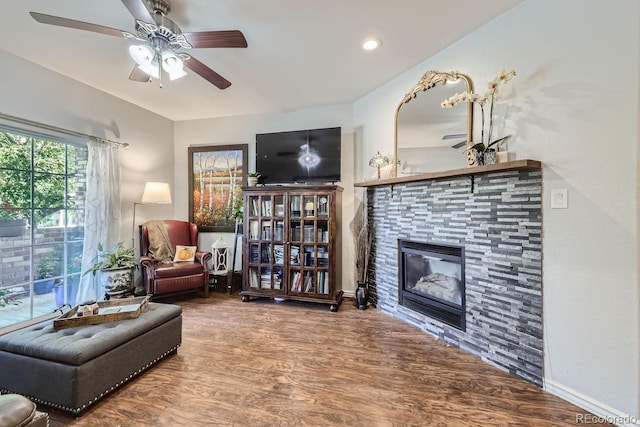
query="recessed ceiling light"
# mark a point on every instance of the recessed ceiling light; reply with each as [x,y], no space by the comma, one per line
[371,44]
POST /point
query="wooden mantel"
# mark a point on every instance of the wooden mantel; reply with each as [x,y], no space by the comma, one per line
[472,170]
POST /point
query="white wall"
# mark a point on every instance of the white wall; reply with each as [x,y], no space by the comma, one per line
[243,130]
[574,106]
[35,93]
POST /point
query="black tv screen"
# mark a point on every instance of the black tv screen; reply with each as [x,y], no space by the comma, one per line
[303,156]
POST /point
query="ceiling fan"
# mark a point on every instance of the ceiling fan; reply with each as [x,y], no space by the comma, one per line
[161,38]
[456,136]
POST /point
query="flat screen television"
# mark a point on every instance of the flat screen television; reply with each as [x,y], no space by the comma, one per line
[303,156]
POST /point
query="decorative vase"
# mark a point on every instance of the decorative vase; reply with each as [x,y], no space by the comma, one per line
[476,158]
[41,288]
[72,291]
[116,283]
[489,157]
[252,181]
[362,296]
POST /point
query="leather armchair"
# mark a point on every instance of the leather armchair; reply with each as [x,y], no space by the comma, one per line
[160,278]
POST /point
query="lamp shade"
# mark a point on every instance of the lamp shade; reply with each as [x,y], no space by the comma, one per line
[172,64]
[379,160]
[156,192]
[142,54]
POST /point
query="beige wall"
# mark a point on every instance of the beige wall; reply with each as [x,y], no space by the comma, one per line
[243,130]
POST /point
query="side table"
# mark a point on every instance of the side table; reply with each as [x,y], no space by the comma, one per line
[223,283]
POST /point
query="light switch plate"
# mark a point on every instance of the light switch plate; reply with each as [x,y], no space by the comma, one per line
[559,198]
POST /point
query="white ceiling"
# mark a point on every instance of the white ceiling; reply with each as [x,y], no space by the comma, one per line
[300,54]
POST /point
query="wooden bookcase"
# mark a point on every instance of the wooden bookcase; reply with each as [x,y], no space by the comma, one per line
[291,243]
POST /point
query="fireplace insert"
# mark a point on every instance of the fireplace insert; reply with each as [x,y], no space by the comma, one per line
[431,281]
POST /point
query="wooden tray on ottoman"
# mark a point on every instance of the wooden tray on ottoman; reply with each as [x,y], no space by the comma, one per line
[127,308]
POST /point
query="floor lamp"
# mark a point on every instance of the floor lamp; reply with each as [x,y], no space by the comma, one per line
[157,193]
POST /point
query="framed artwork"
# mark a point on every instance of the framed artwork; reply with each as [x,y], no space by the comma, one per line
[216,176]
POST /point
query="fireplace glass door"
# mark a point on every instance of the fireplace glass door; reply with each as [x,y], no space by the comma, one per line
[432,280]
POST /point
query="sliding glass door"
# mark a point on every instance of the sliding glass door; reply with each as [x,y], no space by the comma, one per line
[42,193]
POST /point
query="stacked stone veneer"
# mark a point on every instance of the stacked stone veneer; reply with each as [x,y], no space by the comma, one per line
[497,217]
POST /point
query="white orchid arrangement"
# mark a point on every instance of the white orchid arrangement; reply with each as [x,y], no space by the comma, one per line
[485,101]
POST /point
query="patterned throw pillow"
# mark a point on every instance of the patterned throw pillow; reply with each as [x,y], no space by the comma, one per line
[185,253]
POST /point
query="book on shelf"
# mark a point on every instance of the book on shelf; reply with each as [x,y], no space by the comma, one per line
[323,209]
[323,257]
[295,233]
[295,206]
[254,207]
[266,256]
[309,256]
[266,208]
[296,281]
[294,255]
[254,253]
[253,278]
[265,278]
[308,282]
[253,230]
[278,254]
[323,282]
[278,232]
[308,233]
[277,278]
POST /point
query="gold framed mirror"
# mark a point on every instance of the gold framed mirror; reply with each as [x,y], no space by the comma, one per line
[429,138]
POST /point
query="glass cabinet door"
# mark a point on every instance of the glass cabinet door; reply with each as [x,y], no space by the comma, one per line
[266,245]
[309,231]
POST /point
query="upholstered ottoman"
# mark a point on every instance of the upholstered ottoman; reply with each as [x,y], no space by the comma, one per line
[72,368]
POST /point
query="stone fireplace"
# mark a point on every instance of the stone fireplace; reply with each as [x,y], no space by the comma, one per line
[431,281]
[494,218]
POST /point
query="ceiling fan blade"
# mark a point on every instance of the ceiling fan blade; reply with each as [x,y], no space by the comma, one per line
[139,10]
[459,145]
[204,39]
[78,25]
[455,136]
[137,75]
[206,72]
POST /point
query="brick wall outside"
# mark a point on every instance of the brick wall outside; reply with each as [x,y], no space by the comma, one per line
[15,253]
[499,222]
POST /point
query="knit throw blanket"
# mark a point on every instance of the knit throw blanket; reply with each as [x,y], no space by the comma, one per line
[160,246]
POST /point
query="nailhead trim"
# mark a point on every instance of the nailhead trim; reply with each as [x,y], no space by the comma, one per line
[109,390]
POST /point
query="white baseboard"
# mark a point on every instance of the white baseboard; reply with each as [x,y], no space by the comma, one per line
[602,413]
[349,294]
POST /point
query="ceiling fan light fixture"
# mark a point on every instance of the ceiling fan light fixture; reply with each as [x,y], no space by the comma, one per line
[143,54]
[151,69]
[173,65]
[174,75]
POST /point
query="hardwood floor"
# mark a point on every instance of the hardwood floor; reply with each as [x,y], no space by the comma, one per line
[267,363]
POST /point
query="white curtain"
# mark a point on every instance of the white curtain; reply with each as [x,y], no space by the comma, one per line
[102,211]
